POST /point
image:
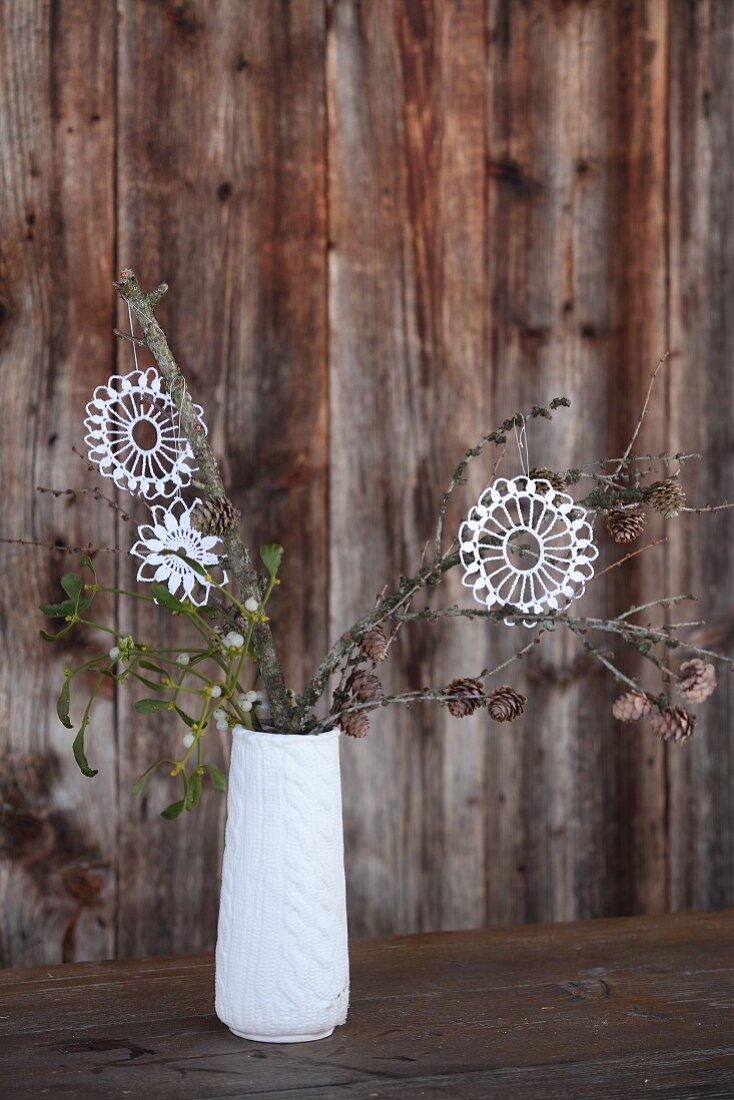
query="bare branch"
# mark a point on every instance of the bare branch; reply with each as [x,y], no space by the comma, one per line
[604,659]
[458,478]
[632,554]
[709,508]
[96,493]
[88,549]
[646,402]
[666,601]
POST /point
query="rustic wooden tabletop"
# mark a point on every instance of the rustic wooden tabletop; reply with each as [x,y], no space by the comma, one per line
[611,1008]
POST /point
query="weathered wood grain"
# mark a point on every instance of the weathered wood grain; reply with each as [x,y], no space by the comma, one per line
[549,235]
[639,299]
[407,352]
[701,243]
[386,225]
[222,193]
[615,1008]
[57,842]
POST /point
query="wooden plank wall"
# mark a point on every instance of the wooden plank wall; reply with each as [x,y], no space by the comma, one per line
[386,224]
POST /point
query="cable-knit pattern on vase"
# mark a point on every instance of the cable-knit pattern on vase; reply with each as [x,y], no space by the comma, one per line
[282,968]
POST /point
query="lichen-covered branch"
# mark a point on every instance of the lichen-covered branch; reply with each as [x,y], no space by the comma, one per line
[238,555]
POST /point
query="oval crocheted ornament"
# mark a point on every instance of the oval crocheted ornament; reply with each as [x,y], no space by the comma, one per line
[160,545]
[527,546]
[134,435]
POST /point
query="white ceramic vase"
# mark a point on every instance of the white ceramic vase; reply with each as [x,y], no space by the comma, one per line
[282,963]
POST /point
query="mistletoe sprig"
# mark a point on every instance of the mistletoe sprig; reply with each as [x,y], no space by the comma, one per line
[211,681]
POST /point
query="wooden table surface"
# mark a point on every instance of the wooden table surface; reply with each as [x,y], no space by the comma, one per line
[611,1008]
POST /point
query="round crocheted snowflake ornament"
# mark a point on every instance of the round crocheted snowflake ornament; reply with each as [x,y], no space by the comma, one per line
[526,545]
[134,436]
[160,545]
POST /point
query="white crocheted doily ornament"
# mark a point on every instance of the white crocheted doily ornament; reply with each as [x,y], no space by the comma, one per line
[171,531]
[528,546]
[134,435]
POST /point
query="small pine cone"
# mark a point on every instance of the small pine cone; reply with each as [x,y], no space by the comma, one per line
[213,517]
[365,686]
[698,680]
[505,704]
[542,473]
[667,497]
[631,706]
[463,696]
[626,524]
[374,643]
[673,723]
[356,724]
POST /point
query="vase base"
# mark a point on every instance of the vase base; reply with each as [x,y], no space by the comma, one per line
[310,1038]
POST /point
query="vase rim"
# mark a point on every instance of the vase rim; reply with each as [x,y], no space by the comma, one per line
[284,738]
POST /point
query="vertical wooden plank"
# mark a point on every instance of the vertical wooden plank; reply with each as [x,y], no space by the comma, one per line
[550,80]
[221,193]
[407,344]
[639,254]
[57,829]
[701,122]
[577,242]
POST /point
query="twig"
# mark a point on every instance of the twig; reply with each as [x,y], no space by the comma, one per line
[632,554]
[88,549]
[598,655]
[128,336]
[646,402]
[90,467]
[96,493]
[499,437]
[709,508]
[667,601]
[664,456]
[457,478]
[408,698]
[426,695]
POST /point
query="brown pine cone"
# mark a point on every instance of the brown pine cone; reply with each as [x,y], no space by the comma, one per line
[374,643]
[631,706]
[626,524]
[463,696]
[698,680]
[355,724]
[542,473]
[667,497]
[213,517]
[505,704]
[673,723]
[365,686]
